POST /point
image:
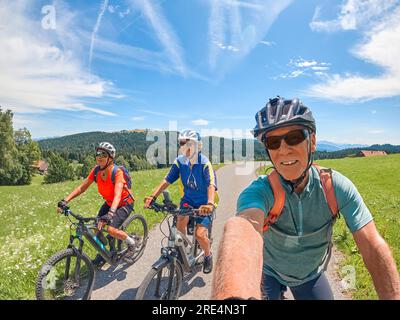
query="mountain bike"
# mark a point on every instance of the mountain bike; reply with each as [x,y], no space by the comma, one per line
[70,274]
[180,255]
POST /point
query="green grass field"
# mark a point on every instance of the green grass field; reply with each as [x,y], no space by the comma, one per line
[377,179]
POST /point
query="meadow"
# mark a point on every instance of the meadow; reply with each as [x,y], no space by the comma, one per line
[31,230]
[377,179]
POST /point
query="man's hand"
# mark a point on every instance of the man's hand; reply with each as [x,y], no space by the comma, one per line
[206,209]
[148,201]
[61,205]
[106,219]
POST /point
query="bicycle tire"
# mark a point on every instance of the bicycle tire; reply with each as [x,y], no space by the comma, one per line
[46,270]
[148,285]
[137,236]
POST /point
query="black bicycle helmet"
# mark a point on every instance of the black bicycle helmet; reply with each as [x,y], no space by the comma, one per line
[282,113]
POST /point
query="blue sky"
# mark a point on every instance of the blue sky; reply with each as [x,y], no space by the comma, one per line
[77,66]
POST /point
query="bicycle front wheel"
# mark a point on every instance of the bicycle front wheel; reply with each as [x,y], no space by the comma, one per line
[136,227]
[66,276]
[162,284]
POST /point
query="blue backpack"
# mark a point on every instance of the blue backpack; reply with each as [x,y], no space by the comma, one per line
[125,172]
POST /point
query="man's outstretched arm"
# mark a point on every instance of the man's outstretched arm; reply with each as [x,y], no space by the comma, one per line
[379,261]
[240,257]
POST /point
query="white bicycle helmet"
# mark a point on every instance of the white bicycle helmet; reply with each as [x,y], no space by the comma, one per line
[107,147]
[189,134]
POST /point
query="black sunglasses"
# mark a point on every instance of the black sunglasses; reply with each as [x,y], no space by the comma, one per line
[101,154]
[291,138]
[182,143]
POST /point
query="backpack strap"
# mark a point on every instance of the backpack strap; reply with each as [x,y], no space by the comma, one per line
[96,172]
[113,173]
[325,176]
[279,199]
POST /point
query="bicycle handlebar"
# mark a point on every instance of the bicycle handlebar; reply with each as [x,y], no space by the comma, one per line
[174,210]
[67,211]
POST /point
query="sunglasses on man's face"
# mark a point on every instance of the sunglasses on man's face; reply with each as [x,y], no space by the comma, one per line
[291,138]
[101,154]
[187,143]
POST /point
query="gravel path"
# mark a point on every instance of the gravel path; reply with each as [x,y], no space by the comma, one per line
[122,283]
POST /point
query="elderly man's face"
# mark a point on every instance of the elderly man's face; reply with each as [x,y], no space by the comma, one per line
[190,148]
[290,160]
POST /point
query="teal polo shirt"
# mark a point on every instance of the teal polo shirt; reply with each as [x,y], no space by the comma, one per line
[297,244]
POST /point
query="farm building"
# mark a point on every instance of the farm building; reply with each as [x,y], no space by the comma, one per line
[371,153]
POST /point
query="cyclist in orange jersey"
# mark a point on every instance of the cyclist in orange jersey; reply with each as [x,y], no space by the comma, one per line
[118,199]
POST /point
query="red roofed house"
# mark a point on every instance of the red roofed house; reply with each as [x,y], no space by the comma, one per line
[371,153]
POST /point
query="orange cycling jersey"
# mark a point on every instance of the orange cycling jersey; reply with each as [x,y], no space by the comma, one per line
[106,188]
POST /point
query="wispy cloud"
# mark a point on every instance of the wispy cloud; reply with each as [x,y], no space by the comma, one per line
[353,15]
[43,70]
[153,13]
[95,30]
[138,118]
[380,46]
[268,43]
[302,67]
[200,122]
[229,40]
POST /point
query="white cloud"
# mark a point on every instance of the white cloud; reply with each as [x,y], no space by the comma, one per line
[380,46]
[373,111]
[233,26]
[268,43]
[111,9]
[138,118]
[41,69]
[353,15]
[122,14]
[301,67]
[200,122]
[305,64]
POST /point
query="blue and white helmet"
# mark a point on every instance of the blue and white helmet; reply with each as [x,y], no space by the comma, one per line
[189,134]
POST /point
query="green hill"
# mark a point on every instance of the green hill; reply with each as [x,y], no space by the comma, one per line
[77,146]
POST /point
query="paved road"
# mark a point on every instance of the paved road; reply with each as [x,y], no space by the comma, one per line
[122,283]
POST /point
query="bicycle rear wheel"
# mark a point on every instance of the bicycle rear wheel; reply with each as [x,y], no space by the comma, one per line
[136,227]
[65,276]
[162,284]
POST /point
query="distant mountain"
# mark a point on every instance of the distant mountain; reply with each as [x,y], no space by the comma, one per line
[330,146]
[43,138]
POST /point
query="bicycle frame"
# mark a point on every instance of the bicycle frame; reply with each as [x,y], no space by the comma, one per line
[181,242]
[83,230]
